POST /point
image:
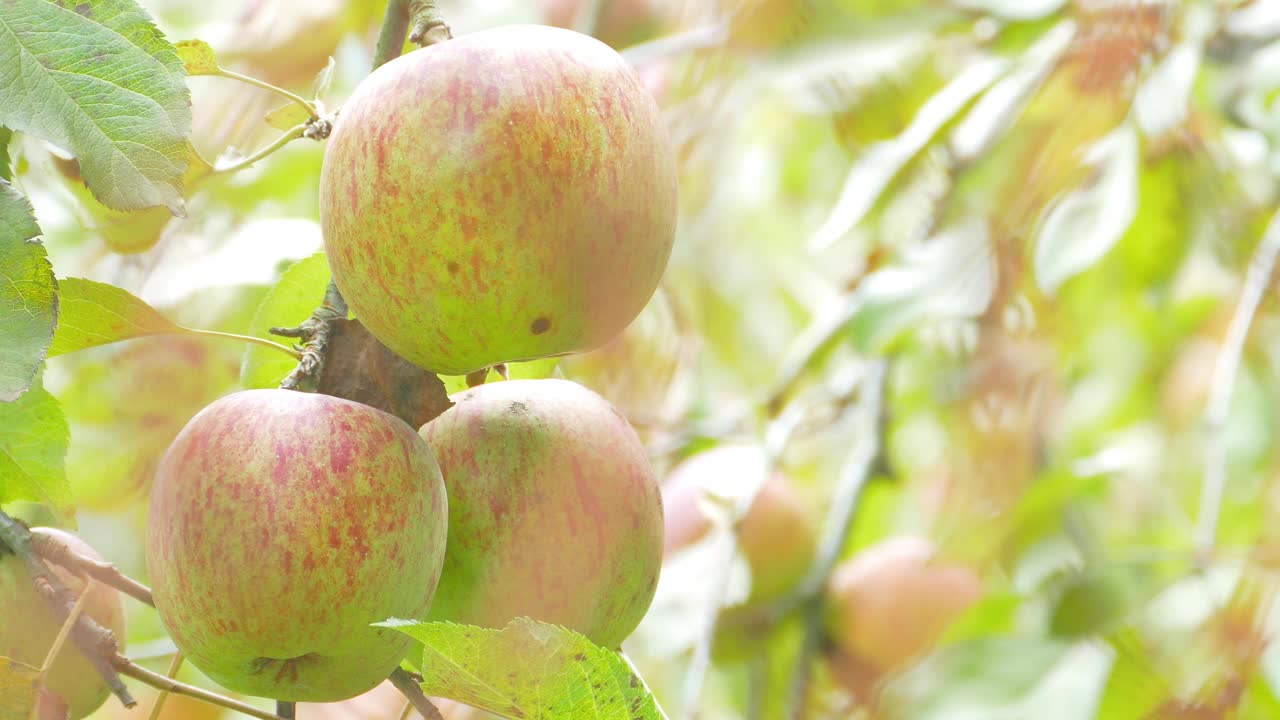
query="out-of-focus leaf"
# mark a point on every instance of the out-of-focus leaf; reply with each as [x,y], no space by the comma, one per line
[28,297]
[1094,601]
[94,313]
[17,689]
[983,673]
[998,108]
[291,301]
[99,79]
[1012,9]
[197,57]
[877,167]
[1085,224]
[360,368]
[1134,688]
[1164,99]
[33,443]
[128,402]
[952,276]
[286,117]
[529,670]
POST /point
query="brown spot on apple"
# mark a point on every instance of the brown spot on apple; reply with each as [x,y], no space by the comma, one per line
[540,326]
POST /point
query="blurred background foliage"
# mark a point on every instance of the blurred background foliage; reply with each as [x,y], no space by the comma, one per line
[1010,260]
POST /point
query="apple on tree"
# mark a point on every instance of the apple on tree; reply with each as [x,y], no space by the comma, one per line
[890,604]
[282,524]
[507,195]
[554,512]
[28,628]
[776,534]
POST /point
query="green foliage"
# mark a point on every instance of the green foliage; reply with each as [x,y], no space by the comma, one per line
[529,670]
[94,313]
[28,297]
[99,79]
[289,302]
[33,442]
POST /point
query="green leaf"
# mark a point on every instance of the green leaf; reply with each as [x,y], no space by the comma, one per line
[95,313]
[99,79]
[28,295]
[291,301]
[6,163]
[197,57]
[529,670]
[33,445]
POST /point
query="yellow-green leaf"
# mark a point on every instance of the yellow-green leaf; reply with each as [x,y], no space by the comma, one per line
[197,57]
[287,117]
[33,448]
[94,313]
[529,670]
[291,301]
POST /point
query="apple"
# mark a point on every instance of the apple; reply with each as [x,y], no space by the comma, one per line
[890,603]
[776,535]
[507,195]
[554,511]
[28,628]
[282,524]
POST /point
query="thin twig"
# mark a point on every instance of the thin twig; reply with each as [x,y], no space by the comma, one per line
[810,594]
[263,342]
[57,552]
[297,131]
[291,97]
[93,640]
[126,667]
[413,693]
[59,641]
[1257,278]
[174,666]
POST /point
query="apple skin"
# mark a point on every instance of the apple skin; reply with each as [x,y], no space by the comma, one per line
[281,525]
[554,511]
[891,602]
[28,628]
[507,195]
[776,535]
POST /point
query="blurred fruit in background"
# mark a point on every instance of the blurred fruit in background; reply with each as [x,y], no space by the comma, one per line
[889,605]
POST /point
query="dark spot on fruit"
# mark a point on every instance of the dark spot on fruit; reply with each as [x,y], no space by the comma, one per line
[453,267]
[518,408]
[540,326]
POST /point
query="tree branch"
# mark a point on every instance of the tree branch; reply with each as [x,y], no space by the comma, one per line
[126,667]
[59,553]
[413,692]
[93,640]
[810,594]
[1257,279]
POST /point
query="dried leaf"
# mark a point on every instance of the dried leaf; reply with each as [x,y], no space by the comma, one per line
[360,368]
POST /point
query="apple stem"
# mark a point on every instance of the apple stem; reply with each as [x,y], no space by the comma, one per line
[412,691]
[286,710]
[93,640]
[428,28]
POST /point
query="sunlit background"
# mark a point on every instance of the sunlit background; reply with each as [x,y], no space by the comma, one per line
[975,293]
